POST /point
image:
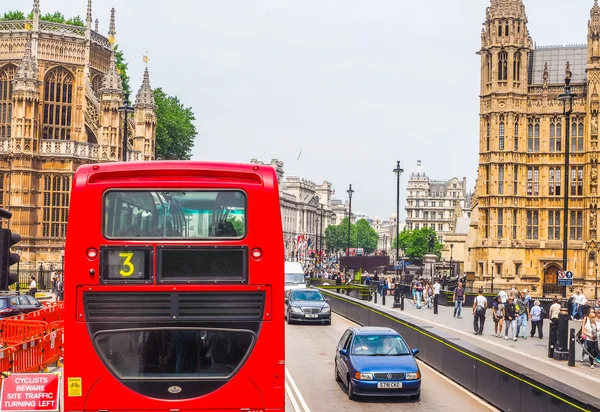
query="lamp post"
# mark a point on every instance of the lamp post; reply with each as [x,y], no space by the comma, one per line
[398,171]
[492,278]
[321,234]
[350,192]
[451,268]
[596,292]
[567,101]
[19,272]
[125,109]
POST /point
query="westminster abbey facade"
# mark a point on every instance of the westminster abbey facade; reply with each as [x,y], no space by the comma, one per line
[60,94]
[517,215]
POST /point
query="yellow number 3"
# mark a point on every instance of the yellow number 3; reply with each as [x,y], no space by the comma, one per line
[127,264]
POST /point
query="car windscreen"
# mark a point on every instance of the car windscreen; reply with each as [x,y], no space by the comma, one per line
[379,345]
[3,303]
[294,278]
[307,295]
[174,353]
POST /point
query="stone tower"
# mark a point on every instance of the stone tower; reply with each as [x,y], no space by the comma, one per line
[145,119]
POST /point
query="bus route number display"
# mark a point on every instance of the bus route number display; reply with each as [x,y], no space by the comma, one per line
[125,264]
[30,392]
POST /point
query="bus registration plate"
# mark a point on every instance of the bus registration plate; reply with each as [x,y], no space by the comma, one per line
[389,385]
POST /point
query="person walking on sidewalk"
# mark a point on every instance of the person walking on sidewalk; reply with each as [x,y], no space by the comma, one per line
[498,311]
[589,332]
[479,307]
[419,289]
[429,292]
[537,319]
[32,287]
[510,318]
[436,290]
[459,295]
[523,315]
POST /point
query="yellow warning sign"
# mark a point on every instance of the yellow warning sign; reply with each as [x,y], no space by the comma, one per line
[74,386]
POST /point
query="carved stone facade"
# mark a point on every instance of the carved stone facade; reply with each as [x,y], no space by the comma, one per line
[59,98]
[516,230]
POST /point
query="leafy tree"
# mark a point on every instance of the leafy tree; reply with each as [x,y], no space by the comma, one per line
[76,21]
[122,67]
[13,15]
[334,238]
[366,237]
[175,130]
[415,243]
[238,224]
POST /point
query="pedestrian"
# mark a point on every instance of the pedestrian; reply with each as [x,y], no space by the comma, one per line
[537,319]
[419,289]
[498,311]
[60,289]
[589,333]
[479,307]
[503,296]
[436,290]
[413,288]
[32,286]
[429,292]
[522,315]
[459,295]
[510,318]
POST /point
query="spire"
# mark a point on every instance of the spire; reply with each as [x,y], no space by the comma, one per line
[88,17]
[546,74]
[26,78]
[145,96]
[112,81]
[595,15]
[506,8]
[36,6]
[111,28]
[96,28]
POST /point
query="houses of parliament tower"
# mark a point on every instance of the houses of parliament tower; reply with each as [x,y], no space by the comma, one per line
[60,94]
[517,215]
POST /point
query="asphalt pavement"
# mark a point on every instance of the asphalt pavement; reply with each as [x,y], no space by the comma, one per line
[311,387]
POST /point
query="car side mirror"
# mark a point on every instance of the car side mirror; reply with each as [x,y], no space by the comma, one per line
[343,352]
[415,351]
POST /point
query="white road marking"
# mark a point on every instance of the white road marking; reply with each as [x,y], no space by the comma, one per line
[456,385]
[292,398]
[544,360]
[296,390]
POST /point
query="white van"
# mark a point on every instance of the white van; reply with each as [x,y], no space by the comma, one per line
[294,276]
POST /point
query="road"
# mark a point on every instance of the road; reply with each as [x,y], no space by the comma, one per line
[310,385]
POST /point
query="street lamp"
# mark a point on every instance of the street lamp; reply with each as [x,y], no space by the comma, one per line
[567,100]
[125,109]
[18,271]
[398,171]
[350,192]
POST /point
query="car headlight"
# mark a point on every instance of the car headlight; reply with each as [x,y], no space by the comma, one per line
[364,376]
[326,309]
[413,376]
[296,310]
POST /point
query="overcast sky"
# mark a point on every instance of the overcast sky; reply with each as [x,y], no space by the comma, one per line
[353,84]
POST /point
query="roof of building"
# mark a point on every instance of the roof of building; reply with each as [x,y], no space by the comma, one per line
[462,225]
[557,58]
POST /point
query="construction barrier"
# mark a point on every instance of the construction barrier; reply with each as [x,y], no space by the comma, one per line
[17,331]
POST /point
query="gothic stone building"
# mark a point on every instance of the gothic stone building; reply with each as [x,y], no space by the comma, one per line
[516,225]
[59,98]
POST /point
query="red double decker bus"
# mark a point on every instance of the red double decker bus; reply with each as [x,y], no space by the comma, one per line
[174,288]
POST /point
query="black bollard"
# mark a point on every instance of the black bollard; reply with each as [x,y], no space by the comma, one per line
[561,350]
[396,298]
[435,305]
[383,298]
[375,294]
[571,361]
[552,339]
[402,302]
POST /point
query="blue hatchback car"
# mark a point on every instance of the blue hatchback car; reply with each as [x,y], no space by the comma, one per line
[374,361]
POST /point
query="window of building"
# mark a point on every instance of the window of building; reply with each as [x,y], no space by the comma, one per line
[487,179]
[506,29]
[500,223]
[481,269]
[501,134]
[555,136]
[486,223]
[488,65]
[516,143]
[425,215]
[515,179]
[514,224]
[440,227]
[517,67]
[503,66]
[440,215]
[487,138]
[58,105]
[530,137]
[554,181]
[576,225]
[554,224]
[533,181]
[577,136]
[6,77]
[416,226]
[517,269]
[533,136]
[532,224]
[56,205]
[576,181]
[501,179]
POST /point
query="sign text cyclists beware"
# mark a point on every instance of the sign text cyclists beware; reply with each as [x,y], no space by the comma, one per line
[30,392]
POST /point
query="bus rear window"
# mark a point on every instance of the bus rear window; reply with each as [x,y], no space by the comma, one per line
[174,214]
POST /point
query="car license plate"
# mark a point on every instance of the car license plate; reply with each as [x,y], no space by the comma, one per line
[389,385]
[311,316]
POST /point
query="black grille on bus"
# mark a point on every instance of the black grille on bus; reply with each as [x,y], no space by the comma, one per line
[174,306]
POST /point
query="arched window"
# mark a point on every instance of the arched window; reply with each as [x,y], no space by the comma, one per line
[500,29]
[517,67]
[502,66]
[56,205]
[487,137]
[488,67]
[506,29]
[516,135]
[7,74]
[501,134]
[58,105]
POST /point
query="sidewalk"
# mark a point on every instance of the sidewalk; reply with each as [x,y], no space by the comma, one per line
[531,353]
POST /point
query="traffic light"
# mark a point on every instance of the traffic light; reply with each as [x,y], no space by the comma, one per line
[7,259]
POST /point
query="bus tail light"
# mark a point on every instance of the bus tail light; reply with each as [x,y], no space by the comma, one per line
[92,253]
[256,253]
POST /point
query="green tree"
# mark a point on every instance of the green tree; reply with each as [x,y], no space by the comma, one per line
[175,130]
[13,15]
[415,243]
[238,224]
[122,67]
[366,237]
[334,238]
